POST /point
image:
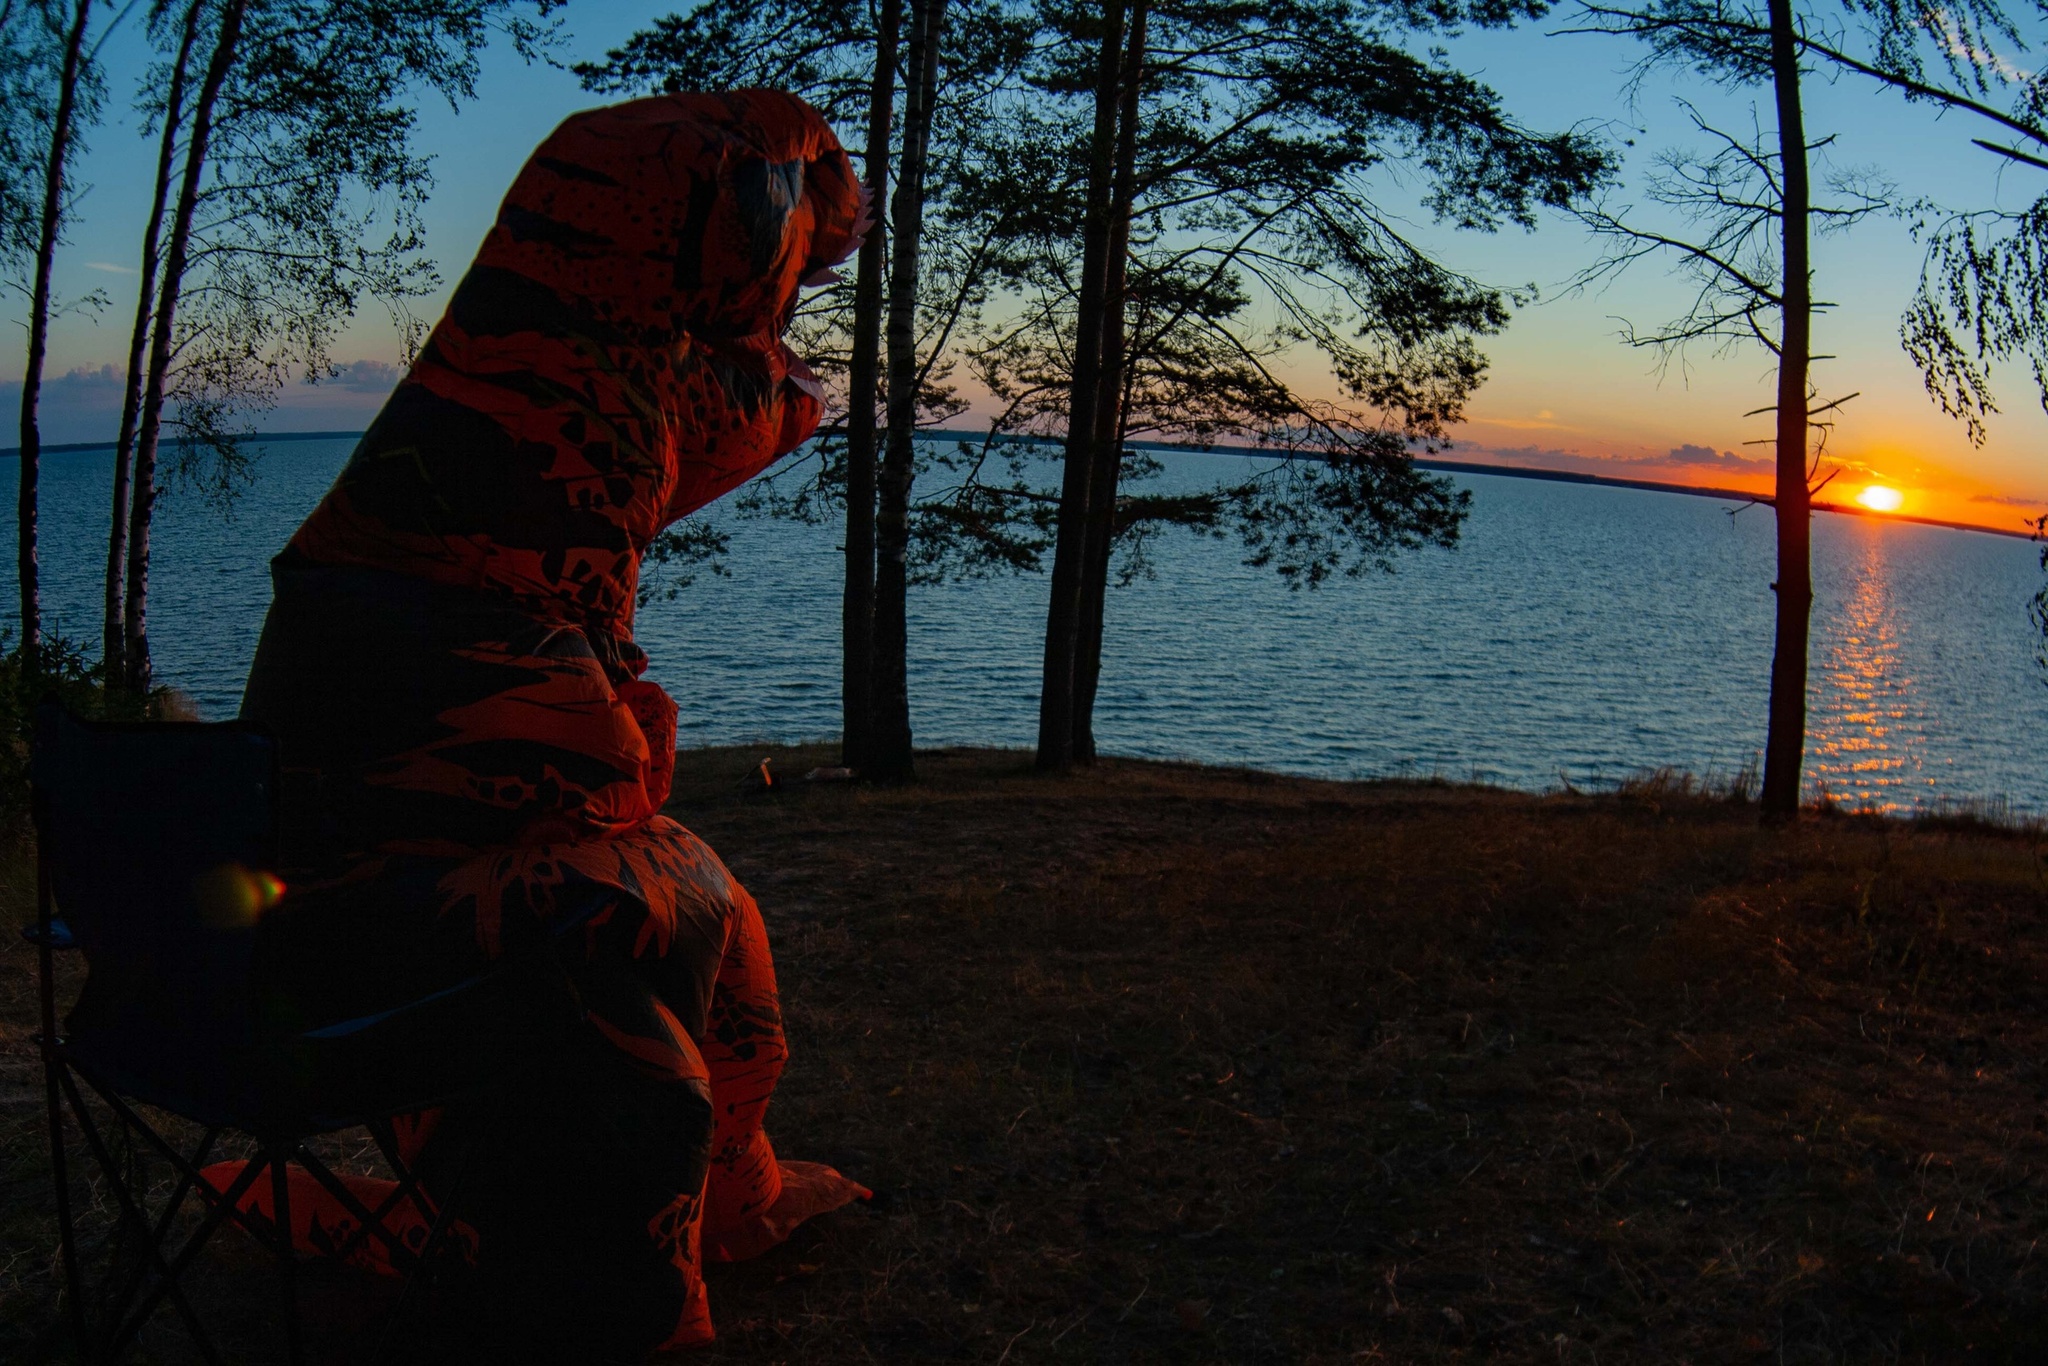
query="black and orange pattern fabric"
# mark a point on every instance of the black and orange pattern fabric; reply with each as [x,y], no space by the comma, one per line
[479,767]
[613,359]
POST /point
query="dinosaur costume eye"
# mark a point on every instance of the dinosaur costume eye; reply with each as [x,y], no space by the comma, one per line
[766,194]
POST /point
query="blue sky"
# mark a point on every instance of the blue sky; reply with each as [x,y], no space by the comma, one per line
[1563,392]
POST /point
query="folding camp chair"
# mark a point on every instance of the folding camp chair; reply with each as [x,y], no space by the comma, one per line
[155,845]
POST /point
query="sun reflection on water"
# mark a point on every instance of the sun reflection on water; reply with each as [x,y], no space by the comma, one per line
[1863,746]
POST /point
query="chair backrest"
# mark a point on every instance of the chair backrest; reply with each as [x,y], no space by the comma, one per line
[158,842]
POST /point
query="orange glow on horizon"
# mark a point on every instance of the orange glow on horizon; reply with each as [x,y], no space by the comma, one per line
[1878,498]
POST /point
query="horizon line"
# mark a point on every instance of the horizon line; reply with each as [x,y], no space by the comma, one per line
[1430,463]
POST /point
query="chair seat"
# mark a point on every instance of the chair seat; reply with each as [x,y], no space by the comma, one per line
[161,1075]
[472,1037]
[475,1035]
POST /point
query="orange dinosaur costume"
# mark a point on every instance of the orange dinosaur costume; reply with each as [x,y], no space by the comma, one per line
[449,667]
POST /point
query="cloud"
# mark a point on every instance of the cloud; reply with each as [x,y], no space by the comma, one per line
[1542,422]
[83,379]
[1960,41]
[110,268]
[1708,457]
[1684,459]
[1537,457]
[84,404]
[366,377]
[2010,500]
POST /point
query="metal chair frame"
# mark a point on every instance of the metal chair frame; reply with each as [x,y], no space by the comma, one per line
[156,1278]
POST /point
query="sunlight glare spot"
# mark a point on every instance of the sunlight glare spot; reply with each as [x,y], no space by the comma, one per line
[1878,498]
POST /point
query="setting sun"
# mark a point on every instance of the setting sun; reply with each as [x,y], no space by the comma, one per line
[1878,498]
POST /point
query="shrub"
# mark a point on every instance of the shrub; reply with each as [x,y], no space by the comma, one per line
[62,670]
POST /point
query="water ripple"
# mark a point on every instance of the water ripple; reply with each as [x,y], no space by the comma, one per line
[1579,634]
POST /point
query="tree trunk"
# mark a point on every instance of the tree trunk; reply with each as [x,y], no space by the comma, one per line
[1063,612]
[1785,745]
[1108,456]
[39,336]
[889,759]
[857,613]
[113,636]
[143,500]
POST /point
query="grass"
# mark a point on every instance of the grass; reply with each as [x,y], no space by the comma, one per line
[1163,1063]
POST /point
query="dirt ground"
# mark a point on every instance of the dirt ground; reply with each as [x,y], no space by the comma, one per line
[1159,1063]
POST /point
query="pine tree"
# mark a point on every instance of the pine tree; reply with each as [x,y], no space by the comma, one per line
[843,59]
[1256,136]
[1749,215]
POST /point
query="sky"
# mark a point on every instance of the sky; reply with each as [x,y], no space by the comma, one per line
[1563,391]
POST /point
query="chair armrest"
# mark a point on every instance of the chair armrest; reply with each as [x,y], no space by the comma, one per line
[475,1035]
[61,937]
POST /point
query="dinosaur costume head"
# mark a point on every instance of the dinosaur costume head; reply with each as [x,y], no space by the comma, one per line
[612,361]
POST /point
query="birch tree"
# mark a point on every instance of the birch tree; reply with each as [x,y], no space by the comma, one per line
[170,115]
[51,42]
[298,195]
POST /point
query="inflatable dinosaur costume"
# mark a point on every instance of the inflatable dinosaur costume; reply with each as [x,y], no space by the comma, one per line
[449,667]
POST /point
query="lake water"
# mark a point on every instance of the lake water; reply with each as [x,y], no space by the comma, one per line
[1578,634]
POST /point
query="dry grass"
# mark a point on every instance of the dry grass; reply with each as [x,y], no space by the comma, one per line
[1164,1063]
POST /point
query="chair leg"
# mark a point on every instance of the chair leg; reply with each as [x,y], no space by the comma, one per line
[188,1177]
[423,1266]
[46,992]
[61,1173]
[408,1189]
[131,1212]
[287,1252]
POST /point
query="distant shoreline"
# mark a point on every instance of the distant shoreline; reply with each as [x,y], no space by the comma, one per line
[1732,495]
[1446,466]
[73,447]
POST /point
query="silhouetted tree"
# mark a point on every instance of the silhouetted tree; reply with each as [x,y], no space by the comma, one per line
[134,621]
[1258,134]
[1983,290]
[1982,299]
[299,193]
[863,391]
[1057,712]
[1105,453]
[843,59]
[24,133]
[1750,204]
[170,116]
[1982,284]
[889,738]
[818,49]
[50,41]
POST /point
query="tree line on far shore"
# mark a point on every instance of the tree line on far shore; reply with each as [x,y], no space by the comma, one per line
[1120,219]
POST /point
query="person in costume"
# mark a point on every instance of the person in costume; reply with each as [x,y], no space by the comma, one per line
[473,761]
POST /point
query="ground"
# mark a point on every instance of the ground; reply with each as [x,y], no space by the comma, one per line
[1163,1063]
